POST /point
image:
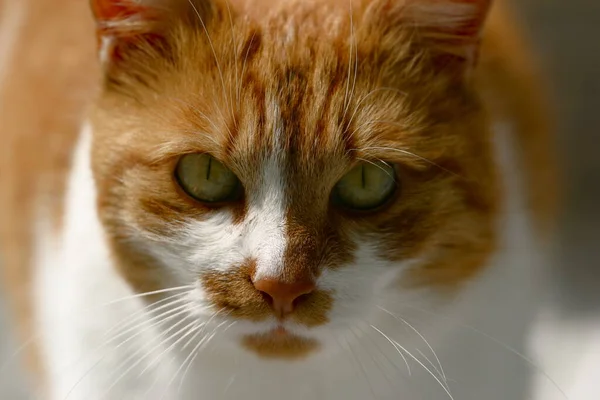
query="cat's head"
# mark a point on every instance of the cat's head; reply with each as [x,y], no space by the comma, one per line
[298,165]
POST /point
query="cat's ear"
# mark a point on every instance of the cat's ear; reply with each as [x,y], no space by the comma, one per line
[452,26]
[123,25]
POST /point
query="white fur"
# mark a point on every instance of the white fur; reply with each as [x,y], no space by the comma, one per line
[75,279]
[267,239]
[75,276]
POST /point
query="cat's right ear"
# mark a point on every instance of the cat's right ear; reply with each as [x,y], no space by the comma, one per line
[123,25]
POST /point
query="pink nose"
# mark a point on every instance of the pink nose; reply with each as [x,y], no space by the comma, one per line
[282,296]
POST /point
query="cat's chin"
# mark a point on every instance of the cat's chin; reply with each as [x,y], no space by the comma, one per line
[274,340]
[280,343]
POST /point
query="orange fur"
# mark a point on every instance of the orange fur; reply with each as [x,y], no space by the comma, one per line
[280,345]
[302,55]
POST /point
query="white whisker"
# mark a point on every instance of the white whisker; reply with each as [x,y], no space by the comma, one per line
[191,328]
[121,344]
[196,350]
[361,367]
[500,343]
[106,343]
[385,356]
[397,317]
[245,60]
[148,352]
[146,294]
[75,313]
[235,49]
[214,52]
[378,166]
[408,353]
[365,97]
[399,352]
[152,307]
[347,94]
[440,374]
[409,153]
[156,320]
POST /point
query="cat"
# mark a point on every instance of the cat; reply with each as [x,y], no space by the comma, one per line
[326,199]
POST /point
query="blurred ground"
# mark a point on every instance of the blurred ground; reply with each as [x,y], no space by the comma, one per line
[567,34]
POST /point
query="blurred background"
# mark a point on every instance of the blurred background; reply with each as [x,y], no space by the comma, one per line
[567,36]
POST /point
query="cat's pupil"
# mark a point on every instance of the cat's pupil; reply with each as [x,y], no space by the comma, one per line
[362,172]
[208,168]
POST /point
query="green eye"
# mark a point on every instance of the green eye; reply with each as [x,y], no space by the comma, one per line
[206,179]
[366,187]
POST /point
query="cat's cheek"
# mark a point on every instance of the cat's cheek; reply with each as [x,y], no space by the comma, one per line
[360,287]
[211,244]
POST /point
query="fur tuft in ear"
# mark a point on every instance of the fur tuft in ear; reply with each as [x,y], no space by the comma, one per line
[123,25]
[120,24]
[451,29]
[453,26]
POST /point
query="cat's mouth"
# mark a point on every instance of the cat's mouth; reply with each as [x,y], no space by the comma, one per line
[280,343]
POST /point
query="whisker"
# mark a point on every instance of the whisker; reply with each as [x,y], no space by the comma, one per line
[235,48]
[191,328]
[75,313]
[144,311]
[378,166]
[198,332]
[136,363]
[121,344]
[196,350]
[399,352]
[365,97]
[156,320]
[146,294]
[397,317]
[393,342]
[499,343]
[202,114]
[212,47]
[440,374]
[385,356]
[229,383]
[108,341]
[408,153]
[361,366]
[353,38]
[350,56]
[205,324]
[246,59]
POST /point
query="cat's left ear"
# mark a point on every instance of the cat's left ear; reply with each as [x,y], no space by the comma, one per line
[453,27]
[123,25]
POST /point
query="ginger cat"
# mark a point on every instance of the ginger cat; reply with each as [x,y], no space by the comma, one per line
[327,199]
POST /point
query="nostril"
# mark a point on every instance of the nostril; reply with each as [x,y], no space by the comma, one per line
[267,297]
[300,299]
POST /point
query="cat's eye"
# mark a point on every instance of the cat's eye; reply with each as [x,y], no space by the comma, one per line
[366,187]
[206,179]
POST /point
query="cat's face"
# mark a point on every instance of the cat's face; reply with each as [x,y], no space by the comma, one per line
[298,169]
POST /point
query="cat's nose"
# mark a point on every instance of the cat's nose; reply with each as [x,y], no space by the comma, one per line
[283,296]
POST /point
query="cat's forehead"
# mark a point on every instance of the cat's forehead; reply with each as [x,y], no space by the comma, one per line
[310,84]
[303,98]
